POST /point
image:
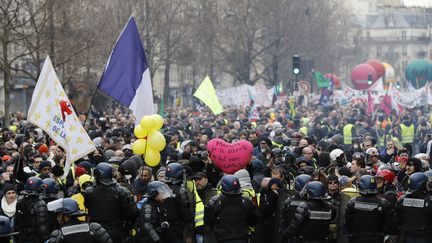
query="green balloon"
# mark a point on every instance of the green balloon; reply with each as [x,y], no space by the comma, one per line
[419,72]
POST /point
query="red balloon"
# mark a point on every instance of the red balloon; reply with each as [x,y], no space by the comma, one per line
[336,79]
[359,76]
[378,66]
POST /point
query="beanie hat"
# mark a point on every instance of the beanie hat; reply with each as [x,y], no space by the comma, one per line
[8,187]
[6,157]
[244,179]
[57,171]
[160,171]
[43,149]
[44,164]
[79,171]
[333,177]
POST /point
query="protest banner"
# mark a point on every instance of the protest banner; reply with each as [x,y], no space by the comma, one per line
[230,157]
[52,111]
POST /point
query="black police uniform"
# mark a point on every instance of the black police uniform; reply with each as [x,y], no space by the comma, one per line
[311,221]
[111,206]
[153,224]
[77,231]
[367,218]
[289,208]
[52,216]
[31,218]
[178,210]
[414,217]
[230,216]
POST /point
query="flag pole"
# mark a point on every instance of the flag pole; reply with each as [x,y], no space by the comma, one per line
[91,103]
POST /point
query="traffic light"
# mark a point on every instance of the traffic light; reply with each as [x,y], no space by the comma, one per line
[397,85]
[369,82]
[296,64]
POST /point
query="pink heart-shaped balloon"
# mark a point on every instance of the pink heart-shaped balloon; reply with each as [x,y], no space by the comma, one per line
[230,157]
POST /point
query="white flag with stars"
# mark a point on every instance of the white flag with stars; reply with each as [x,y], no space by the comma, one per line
[50,109]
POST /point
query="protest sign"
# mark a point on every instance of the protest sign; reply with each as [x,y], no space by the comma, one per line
[230,157]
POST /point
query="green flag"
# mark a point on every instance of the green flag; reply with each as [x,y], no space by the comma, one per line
[161,111]
[207,94]
[322,81]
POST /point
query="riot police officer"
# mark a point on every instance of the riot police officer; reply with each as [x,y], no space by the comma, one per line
[32,213]
[50,191]
[108,203]
[368,216]
[153,225]
[290,205]
[230,214]
[312,218]
[414,211]
[72,229]
[6,230]
[179,207]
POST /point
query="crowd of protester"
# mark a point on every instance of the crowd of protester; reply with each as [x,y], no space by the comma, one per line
[320,175]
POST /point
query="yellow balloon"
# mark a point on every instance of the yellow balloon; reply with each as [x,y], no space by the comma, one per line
[159,122]
[152,158]
[147,123]
[140,132]
[139,146]
[156,141]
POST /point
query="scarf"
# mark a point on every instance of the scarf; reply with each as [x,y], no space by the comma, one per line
[8,209]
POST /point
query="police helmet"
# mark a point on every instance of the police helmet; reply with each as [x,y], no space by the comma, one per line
[428,173]
[300,181]
[5,227]
[33,185]
[104,173]
[316,190]
[358,155]
[429,180]
[335,154]
[367,185]
[276,151]
[417,181]
[50,187]
[372,152]
[174,173]
[387,175]
[155,188]
[66,206]
[230,184]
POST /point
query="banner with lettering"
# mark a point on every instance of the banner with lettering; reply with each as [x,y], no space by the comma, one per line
[52,111]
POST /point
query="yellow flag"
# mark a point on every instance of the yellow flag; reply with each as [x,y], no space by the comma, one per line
[52,111]
[207,94]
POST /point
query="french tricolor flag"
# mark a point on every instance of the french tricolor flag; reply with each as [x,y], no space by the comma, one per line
[126,77]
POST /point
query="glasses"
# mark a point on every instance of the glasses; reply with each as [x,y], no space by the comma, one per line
[333,182]
[263,143]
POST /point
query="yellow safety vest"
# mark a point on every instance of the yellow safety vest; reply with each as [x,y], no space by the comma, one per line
[407,133]
[304,130]
[381,140]
[79,198]
[199,209]
[277,144]
[199,205]
[347,133]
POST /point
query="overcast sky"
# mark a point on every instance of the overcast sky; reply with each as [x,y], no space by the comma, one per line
[423,3]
